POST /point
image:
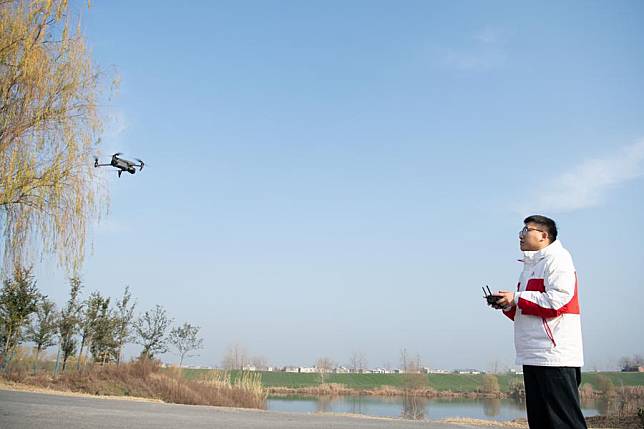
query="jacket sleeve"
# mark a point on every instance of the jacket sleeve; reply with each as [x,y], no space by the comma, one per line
[559,289]
[510,312]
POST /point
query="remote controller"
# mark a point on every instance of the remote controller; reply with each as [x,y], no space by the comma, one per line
[491,298]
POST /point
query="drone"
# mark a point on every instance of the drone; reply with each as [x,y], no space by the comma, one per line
[121,164]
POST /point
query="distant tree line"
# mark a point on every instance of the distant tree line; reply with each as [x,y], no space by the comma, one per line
[91,329]
[631,363]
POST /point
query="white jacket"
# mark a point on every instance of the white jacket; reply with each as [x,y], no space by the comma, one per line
[547,326]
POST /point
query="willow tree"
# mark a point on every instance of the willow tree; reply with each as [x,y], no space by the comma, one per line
[48,133]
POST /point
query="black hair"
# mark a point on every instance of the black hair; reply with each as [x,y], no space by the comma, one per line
[546,223]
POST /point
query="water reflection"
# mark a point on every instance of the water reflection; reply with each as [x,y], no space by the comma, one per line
[414,407]
[324,403]
[417,408]
[618,405]
[603,406]
[492,407]
[357,405]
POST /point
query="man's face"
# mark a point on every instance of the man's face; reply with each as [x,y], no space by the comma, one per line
[533,237]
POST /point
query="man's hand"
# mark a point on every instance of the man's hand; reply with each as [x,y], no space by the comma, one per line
[507,299]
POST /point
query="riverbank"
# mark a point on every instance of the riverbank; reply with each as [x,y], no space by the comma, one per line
[331,389]
[594,384]
[150,380]
[625,395]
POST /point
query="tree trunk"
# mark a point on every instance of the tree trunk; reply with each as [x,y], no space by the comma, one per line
[36,358]
[7,341]
[118,354]
[6,357]
[57,361]
[80,353]
[87,350]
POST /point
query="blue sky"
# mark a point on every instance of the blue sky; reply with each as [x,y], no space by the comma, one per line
[329,177]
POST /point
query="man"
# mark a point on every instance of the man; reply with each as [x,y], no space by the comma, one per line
[547,327]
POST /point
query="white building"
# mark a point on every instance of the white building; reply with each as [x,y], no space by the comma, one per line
[468,371]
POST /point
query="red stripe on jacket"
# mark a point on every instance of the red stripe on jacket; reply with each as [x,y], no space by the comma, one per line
[532,309]
[511,313]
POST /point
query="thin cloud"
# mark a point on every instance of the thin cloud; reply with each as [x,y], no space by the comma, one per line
[109,226]
[485,52]
[489,36]
[475,60]
[589,183]
[115,125]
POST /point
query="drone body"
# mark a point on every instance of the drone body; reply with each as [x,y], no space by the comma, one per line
[122,164]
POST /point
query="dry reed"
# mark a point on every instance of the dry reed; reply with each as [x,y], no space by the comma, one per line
[144,378]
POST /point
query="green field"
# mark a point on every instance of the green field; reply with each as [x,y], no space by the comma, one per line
[440,382]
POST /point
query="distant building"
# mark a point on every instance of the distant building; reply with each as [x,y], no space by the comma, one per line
[633,369]
[468,371]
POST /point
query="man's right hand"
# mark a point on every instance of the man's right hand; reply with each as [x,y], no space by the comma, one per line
[506,299]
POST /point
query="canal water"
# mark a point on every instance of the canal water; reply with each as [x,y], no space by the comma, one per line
[413,408]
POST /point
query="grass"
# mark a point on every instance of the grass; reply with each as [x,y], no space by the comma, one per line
[618,378]
[467,383]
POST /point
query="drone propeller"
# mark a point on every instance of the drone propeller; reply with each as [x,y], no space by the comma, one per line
[118,153]
[140,162]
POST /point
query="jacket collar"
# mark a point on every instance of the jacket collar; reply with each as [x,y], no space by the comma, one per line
[532,257]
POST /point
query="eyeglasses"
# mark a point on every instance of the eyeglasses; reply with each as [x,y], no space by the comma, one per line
[525,231]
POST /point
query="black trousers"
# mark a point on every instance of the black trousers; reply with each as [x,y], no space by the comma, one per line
[552,397]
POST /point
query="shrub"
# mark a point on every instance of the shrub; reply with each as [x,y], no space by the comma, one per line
[491,384]
[144,378]
[605,385]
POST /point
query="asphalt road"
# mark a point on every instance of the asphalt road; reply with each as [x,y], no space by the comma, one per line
[25,410]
